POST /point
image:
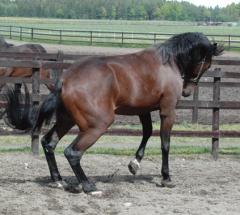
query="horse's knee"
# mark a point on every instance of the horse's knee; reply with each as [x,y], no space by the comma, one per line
[48,146]
[165,147]
[72,156]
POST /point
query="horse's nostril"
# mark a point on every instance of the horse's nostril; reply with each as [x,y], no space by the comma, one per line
[186,93]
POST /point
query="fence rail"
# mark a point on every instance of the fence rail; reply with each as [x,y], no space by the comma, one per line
[106,37]
[216,75]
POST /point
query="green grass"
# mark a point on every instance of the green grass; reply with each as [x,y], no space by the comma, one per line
[161,27]
[184,126]
[118,25]
[181,150]
[12,150]
[176,150]
[127,145]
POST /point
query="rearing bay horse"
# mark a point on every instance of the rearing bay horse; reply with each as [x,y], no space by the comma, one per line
[93,90]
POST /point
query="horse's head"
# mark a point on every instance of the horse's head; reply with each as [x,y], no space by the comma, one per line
[198,61]
[192,52]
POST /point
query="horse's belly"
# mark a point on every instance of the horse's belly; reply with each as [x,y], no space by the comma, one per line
[125,110]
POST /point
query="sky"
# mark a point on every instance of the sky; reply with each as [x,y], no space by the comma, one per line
[212,3]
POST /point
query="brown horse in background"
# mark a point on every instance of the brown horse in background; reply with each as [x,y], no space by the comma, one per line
[93,90]
[22,72]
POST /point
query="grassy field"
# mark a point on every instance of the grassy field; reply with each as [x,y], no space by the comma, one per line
[119,25]
[127,145]
[115,26]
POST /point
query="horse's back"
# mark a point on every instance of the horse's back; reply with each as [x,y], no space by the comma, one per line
[28,48]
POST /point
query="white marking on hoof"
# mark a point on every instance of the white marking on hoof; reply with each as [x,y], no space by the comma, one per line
[59,184]
[127,204]
[97,193]
[134,166]
[135,161]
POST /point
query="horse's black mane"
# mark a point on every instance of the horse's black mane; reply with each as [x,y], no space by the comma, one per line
[179,49]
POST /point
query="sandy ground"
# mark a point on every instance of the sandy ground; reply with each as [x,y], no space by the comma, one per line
[203,186]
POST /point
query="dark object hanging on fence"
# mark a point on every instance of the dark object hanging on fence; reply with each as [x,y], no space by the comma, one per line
[93,90]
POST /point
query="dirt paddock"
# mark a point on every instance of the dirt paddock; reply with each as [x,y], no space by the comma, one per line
[203,186]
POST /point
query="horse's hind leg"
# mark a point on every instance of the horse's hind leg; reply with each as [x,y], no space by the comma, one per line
[50,141]
[146,122]
[75,151]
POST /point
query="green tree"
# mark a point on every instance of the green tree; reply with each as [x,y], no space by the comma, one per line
[113,13]
[141,12]
[101,13]
[118,9]
[60,13]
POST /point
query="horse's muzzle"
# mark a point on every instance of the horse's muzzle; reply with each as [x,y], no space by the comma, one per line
[188,89]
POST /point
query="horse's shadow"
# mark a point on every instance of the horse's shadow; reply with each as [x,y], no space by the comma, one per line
[111,179]
[71,183]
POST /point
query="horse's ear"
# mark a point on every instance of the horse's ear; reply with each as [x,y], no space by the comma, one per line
[217,49]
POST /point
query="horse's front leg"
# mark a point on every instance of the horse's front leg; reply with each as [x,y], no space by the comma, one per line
[167,121]
[146,122]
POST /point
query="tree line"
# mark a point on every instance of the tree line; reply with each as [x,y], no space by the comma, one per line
[118,9]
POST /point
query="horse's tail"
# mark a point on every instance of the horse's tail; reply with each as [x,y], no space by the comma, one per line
[23,116]
[48,108]
[18,109]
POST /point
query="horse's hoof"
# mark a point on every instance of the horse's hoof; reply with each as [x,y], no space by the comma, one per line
[67,187]
[89,187]
[97,193]
[167,183]
[134,166]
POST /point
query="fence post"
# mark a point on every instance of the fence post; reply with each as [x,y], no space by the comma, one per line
[60,57]
[31,33]
[215,116]
[60,36]
[10,32]
[122,38]
[91,37]
[35,103]
[229,41]
[195,108]
[20,33]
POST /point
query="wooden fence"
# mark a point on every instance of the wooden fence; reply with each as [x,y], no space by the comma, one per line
[63,61]
[105,37]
